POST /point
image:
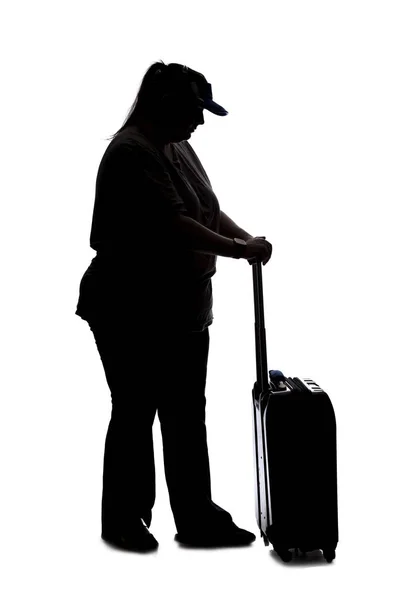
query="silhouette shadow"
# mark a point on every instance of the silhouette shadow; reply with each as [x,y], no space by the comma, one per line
[129,550]
[210,547]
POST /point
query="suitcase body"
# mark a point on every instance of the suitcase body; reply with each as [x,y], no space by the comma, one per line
[294,434]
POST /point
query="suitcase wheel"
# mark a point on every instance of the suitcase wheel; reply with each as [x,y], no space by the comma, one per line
[329,554]
[283,553]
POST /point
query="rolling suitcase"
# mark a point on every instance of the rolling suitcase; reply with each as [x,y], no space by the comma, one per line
[294,434]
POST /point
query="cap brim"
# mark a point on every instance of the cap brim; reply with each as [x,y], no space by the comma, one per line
[215,108]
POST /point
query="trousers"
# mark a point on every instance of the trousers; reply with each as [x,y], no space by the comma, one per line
[148,372]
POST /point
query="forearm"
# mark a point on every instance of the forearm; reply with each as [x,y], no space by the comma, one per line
[229,229]
[197,237]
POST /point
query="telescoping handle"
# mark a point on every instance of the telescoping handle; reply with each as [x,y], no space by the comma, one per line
[261,345]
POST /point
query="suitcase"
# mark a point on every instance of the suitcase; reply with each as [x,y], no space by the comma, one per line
[294,429]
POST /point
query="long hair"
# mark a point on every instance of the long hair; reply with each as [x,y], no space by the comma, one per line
[158,80]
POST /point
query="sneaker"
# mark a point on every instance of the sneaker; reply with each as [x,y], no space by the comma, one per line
[138,538]
[230,536]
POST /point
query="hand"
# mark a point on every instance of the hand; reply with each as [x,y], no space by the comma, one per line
[257,250]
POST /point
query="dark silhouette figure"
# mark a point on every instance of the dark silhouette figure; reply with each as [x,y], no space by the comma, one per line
[147,296]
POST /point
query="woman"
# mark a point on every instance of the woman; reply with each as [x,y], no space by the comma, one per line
[147,296]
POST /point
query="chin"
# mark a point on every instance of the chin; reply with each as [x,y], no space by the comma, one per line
[182,137]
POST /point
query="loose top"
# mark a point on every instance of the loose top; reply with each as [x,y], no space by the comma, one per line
[140,271]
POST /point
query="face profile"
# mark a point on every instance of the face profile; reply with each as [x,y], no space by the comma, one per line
[175,121]
[183,119]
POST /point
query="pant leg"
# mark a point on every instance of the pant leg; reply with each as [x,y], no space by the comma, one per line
[182,415]
[128,469]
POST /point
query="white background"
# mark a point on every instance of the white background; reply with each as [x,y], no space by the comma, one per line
[309,157]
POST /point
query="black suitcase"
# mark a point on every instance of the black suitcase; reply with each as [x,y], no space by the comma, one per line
[294,429]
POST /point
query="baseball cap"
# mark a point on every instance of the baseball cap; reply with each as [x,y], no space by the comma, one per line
[205,95]
[203,90]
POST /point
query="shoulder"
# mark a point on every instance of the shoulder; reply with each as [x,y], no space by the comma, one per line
[130,146]
[126,141]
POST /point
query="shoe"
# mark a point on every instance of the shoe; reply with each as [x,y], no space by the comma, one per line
[229,536]
[138,538]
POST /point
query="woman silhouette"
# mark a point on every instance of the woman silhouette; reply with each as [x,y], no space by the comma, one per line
[147,296]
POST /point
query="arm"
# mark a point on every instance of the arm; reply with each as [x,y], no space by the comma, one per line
[229,229]
[195,236]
